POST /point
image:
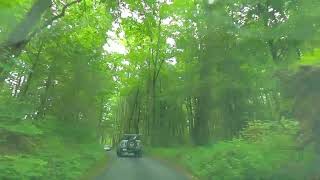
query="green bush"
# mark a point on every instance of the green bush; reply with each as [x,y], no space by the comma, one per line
[64,162]
[266,150]
[42,152]
[22,128]
[22,167]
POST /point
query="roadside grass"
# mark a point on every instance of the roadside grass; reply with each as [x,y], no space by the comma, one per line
[55,164]
[34,152]
[258,155]
[171,157]
[96,169]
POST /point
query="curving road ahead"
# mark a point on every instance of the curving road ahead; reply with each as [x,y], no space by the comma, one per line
[128,168]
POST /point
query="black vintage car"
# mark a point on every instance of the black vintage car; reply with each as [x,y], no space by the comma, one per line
[130,144]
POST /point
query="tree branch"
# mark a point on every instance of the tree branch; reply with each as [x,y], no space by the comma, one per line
[16,46]
[49,22]
[158,50]
[158,70]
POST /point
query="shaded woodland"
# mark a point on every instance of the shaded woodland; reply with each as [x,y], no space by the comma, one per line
[183,73]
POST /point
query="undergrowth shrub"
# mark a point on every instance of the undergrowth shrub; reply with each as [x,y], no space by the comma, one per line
[265,150]
[30,152]
[22,167]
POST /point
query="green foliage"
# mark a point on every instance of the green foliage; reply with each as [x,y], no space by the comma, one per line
[50,163]
[8,19]
[179,72]
[311,58]
[69,161]
[271,156]
[257,130]
[11,109]
[53,156]
[22,128]
[50,92]
[22,167]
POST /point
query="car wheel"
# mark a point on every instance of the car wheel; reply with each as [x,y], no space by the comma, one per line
[119,154]
[139,154]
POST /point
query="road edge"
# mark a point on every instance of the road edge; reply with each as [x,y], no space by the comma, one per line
[173,164]
[99,167]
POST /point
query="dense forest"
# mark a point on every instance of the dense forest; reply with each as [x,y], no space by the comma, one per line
[228,88]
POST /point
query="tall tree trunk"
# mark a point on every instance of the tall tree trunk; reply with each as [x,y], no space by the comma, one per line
[99,126]
[44,97]
[205,101]
[190,116]
[29,78]
[138,119]
[153,111]
[132,121]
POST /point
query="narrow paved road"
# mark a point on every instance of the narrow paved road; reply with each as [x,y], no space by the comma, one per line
[128,168]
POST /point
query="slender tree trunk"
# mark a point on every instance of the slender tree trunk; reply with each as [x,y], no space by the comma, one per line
[132,120]
[190,116]
[138,119]
[33,69]
[44,97]
[99,126]
[153,111]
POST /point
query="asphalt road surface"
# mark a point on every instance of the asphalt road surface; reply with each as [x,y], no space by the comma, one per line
[130,168]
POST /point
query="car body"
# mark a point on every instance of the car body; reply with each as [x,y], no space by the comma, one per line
[130,144]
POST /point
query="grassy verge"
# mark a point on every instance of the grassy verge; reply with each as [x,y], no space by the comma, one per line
[264,155]
[95,170]
[171,158]
[234,160]
[48,156]
[53,164]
